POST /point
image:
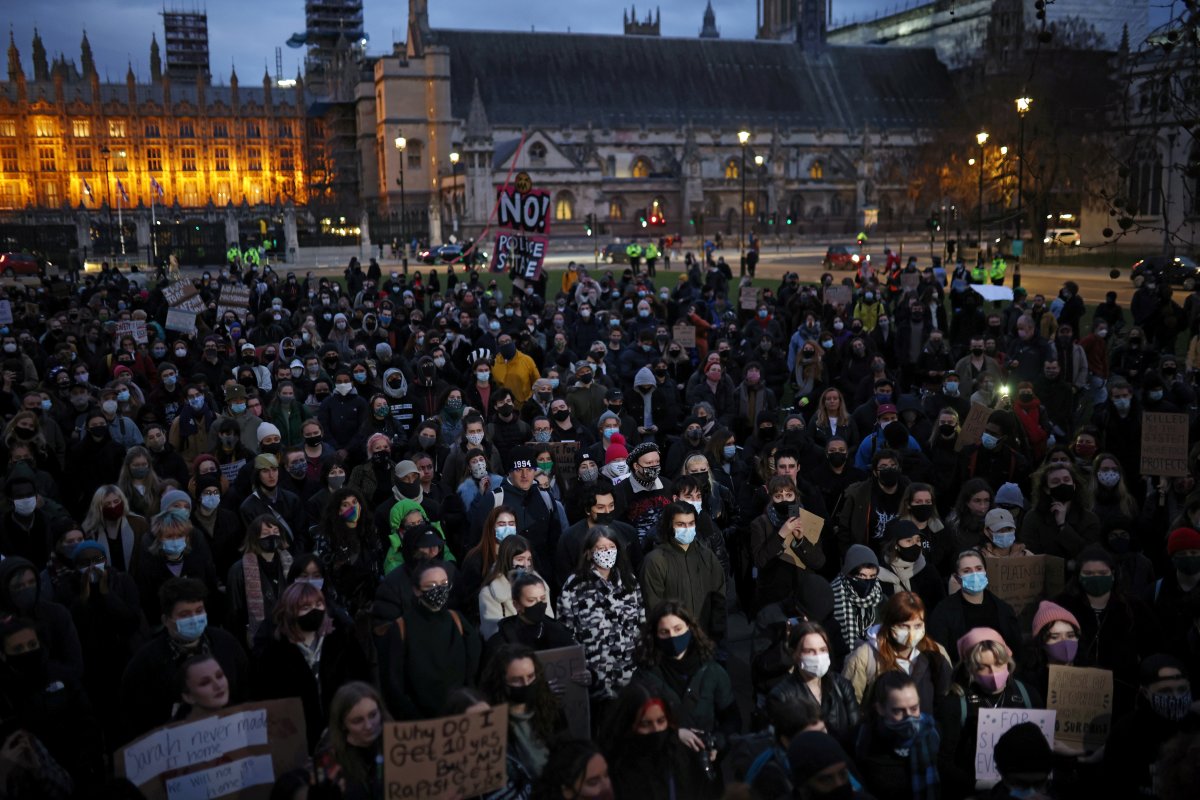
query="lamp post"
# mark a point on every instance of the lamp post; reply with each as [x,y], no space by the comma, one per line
[743,138]
[120,215]
[401,143]
[454,191]
[758,205]
[105,153]
[1023,104]
[982,138]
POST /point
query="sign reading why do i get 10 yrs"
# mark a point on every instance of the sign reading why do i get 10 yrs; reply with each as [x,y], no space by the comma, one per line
[451,757]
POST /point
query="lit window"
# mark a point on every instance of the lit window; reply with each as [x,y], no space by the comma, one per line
[154,159]
[641,168]
[81,128]
[253,159]
[10,194]
[816,171]
[220,130]
[731,170]
[116,128]
[8,128]
[221,159]
[50,192]
[564,207]
[286,162]
[44,128]
[46,159]
[187,159]
[83,159]
[8,159]
[616,209]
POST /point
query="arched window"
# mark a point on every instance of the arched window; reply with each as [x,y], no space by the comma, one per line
[641,168]
[731,169]
[537,154]
[751,207]
[564,207]
[816,170]
[616,209]
[1145,182]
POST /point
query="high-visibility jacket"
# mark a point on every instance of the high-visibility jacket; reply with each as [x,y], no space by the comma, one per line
[999,267]
[979,273]
[651,251]
[634,251]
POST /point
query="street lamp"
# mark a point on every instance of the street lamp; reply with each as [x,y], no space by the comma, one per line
[758,165]
[454,179]
[982,138]
[401,143]
[105,153]
[1023,104]
[743,138]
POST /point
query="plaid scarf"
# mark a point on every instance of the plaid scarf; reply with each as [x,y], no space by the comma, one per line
[854,614]
[917,738]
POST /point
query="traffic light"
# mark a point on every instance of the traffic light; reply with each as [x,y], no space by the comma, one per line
[789,219]
[642,217]
[771,219]
[589,223]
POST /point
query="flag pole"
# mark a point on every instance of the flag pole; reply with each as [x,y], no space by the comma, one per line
[153,238]
[120,219]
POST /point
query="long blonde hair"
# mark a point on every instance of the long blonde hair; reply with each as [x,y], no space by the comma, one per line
[346,698]
[822,416]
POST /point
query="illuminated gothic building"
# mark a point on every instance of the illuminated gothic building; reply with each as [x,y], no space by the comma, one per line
[78,154]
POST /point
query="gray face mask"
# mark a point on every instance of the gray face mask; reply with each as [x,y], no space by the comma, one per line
[336,482]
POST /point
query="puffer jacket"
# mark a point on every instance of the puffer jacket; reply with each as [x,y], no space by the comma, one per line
[862,668]
[604,617]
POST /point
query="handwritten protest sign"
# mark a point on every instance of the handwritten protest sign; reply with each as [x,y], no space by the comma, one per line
[460,756]
[132,327]
[522,254]
[748,298]
[1083,698]
[993,723]
[812,525]
[234,297]
[1022,581]
[909,281]
[838,294]
[560,665]
[1164,444]
[525,212]
[182,295]
[240,751]
[684,335]
[973,425]
[181,320]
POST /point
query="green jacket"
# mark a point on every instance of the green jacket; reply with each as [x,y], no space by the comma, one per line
[288,418]
[694,577]
[999,267]
[709,692]
[634,250]
[395,553]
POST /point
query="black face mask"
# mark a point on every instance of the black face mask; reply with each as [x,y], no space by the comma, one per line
[407,490]
[921,513]
[30,665]
[889,477]
[909,554]
[310,621]
[535,613]
[1063,493]
[836,459]
[781,508]
[521,694]
[863,586]
[766,434]
[947,430]
[313,441]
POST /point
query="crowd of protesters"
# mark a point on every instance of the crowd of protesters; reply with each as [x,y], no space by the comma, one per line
[754,512]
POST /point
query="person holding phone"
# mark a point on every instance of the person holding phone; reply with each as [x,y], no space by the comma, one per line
[783,556]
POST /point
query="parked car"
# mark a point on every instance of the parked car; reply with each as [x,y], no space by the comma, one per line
[17,264]
[1061,236]
[840,256]
[1175,270]
[444,253]
[614,254]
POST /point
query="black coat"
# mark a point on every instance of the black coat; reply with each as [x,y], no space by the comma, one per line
[947,622]
[280,671]
[839,706]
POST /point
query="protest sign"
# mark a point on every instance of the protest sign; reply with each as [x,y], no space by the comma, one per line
[748,298]
[1023,581]
[839,294]
[909,281]
[993,723]
[181,321]
[811,527]
[560,665]
[239,751]
[234,297]
[6,315]
[521,253]
[1083,698]
[684,335]
[182,295]
[972,426]
[994,293]
[521,208]
[1164,444]
[564,457]
[460,756]
[132,327]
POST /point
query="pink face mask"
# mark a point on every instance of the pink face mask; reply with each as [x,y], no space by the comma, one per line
[994,683]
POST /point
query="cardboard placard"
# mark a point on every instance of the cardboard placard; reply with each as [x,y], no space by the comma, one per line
[1023,581]
[684,335]
[748,298]
[993,723]
[524,254]
[1083,698]
[909,281]
[812,525]
[239,751]
[183,295]
[972,426]
[564,456]
[1164,444]
[460,756]
[560,664]
[6,315]
[132,327]
[180,320]
[838,294]
[234,297]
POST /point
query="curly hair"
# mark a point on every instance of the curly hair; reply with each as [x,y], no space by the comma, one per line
[333,526]
[543,704]
[647,653]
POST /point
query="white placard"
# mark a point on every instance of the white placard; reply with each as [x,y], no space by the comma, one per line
[993,293]
[993,723]
[223,779]
[184,745]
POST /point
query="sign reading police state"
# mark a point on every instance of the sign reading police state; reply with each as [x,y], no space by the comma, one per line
[525,212]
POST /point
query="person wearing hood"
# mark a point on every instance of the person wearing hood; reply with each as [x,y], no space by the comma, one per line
[995,458]
[250,361]
[20,595]
[148,687]
[288,414]
[400,405]
[858,599]
[25,528]
[340,413]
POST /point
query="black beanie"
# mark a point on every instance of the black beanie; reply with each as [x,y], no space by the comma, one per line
[1023,748]
[812,751]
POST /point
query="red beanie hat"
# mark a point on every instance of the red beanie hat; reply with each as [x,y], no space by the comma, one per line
[616,449]
[1048,613]
[1182,539]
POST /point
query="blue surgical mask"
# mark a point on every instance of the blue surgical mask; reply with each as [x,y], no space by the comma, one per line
[192,628]
[608,432]
[685,536]
[210,501]
[729,451]
[196,402]
[123,396]
[237,408]
[505,531]
[553,383]
[1122,403]
[47,405]
[174,547]
[1005,539]
[974,582]
[989,441]
[170,381]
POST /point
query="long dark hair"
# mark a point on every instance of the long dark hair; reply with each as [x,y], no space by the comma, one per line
[336,529]
[544,705]
[618,724]
[647,652]
[565,768]
[583,570]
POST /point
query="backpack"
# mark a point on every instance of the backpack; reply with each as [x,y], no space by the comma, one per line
[962,702]
[381,630]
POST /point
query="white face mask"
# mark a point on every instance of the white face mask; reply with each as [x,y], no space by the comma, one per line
[605,559]
[479,470]
[900,634]
[816,665]
[342,388]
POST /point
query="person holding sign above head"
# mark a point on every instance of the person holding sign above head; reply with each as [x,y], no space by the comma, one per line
[897,748]
[974,606]
[984,679]
[642,737]
[349,759]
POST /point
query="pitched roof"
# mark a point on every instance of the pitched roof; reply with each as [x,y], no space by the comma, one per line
[556,79]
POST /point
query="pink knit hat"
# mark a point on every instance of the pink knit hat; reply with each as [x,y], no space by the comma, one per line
[974,637]
[1049,613]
